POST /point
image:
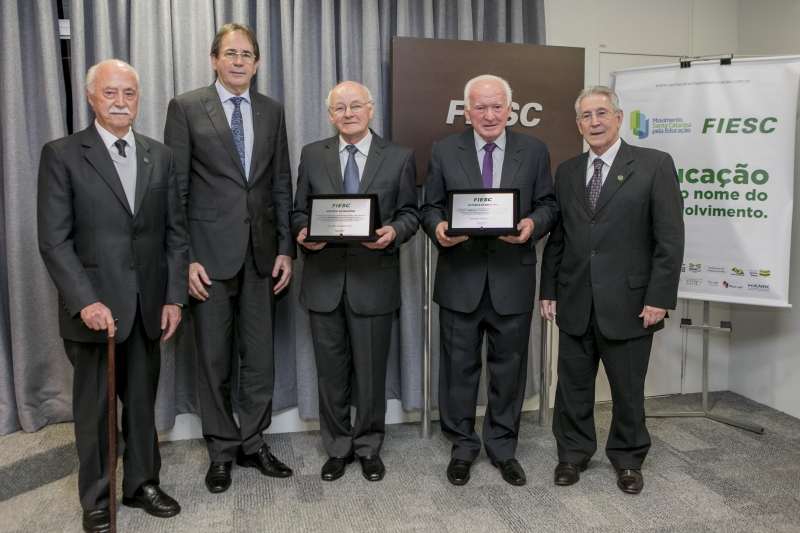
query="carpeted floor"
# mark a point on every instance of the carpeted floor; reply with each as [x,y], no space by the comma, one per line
[700,475]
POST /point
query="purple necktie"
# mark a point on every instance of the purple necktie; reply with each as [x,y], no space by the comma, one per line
[596,183]
[488,165]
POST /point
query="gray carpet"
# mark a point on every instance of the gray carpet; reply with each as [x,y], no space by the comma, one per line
[700,476]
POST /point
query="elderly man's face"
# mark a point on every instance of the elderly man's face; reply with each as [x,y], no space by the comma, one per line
[488,109]
[115,98]
[234,74]
[352,124]
[600,133]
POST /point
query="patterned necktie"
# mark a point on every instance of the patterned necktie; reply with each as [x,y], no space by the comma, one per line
[488,165]
[596,183]
[351,180]
[121,144]
[237,127]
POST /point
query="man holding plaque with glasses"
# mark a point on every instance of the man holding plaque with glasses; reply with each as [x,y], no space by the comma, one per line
[351,278]
[486,278]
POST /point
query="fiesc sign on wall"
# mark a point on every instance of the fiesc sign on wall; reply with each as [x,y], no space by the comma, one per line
[427,91]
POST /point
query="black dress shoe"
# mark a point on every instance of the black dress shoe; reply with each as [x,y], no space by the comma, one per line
[153,501]
[630,481]
[218,478]
[334,467]
[263,460]
[458,471]
[567,473]
[98,521]
[511,470]
[372,467]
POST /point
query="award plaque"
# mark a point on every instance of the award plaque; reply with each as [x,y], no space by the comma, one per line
[486,212]
[342,217]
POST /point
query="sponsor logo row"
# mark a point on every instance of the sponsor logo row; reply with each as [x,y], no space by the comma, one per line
[696,268]
[697,282]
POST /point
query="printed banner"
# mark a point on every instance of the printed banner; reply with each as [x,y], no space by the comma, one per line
[731,131]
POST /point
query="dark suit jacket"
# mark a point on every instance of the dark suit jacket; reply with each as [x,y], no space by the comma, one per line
[222,207]
[95,250]
[462,270]
[372,276]
[626,254]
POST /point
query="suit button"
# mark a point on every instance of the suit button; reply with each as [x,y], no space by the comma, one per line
[247,220]
[592,253]
[133,267]
[248,191]
[134,236]
[590,283]
[593,224]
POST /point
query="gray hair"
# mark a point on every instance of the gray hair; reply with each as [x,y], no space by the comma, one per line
[92,73]
[486,78]
[597,89]
[328,98]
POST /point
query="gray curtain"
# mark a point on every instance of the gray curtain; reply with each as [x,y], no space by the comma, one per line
[306,48]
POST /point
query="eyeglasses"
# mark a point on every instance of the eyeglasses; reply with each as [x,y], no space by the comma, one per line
[602,115]
[355,107]
[230,55]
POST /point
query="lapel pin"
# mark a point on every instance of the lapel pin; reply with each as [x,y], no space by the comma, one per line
[258,113]
[620,178]
[147,160]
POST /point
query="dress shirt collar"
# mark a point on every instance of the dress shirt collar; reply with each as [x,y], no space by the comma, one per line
[225,94]
[480,143]
[362,145]
[109,138]
[608,157]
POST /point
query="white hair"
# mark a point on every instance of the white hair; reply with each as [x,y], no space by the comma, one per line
[601,90]
[486,78]
[369,93]
[92,73]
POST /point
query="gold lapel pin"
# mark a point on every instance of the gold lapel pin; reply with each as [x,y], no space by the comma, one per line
[620,178]
[147,160]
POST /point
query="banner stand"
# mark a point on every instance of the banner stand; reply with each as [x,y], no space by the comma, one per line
[546,354]
[686,323]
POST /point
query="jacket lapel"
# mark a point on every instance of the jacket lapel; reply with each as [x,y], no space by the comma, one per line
[374,160]
[619,169]
[511,160]
[144,169]
[333,166]
[217,116]
[259,133]
[469,159]
[577,179]
[97,155]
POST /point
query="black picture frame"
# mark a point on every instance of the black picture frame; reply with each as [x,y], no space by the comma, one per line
[487,232]
[374,218]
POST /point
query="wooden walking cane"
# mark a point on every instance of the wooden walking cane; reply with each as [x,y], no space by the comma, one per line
[112,433]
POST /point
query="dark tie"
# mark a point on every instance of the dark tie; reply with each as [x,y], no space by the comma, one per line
[351,180]
[237,127]
[596,183]
[488,165]
[121,144]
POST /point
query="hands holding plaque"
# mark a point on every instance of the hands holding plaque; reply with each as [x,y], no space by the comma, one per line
[483,212]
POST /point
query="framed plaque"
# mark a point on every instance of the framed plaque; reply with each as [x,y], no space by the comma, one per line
[482,212]
[342,217]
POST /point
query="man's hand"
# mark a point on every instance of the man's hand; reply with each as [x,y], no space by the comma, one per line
[446,241]
[313,246]
[97,316]
[170,318]
[652,315]
[282,263]
[387,235]
[197,279]
[547,308]
[525,228]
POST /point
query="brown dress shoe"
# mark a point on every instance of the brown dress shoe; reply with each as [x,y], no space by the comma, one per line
[630,481]
[567,473]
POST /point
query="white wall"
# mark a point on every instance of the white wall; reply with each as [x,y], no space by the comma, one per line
[765,343]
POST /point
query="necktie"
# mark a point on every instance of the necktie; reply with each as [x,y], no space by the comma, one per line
[596,183]
[237,127]
[488,165]
[351,180]
[121,144]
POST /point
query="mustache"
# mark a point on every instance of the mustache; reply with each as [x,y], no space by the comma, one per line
[120,110]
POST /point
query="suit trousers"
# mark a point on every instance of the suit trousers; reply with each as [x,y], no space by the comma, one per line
[625,363]
[138,363]
[349,344]
[459,378]
[243,305]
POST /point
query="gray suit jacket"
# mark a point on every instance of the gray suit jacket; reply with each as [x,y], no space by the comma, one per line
[462,270]
[222,207]
[95,249]
[372,276]
[625,254]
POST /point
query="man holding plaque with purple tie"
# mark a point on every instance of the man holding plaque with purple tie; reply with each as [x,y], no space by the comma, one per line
[486,283]
[352,288]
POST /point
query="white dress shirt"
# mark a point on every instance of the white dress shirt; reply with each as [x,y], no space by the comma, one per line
[361,155]
[126,166]
[247,120]
[608,160]
[498,155]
